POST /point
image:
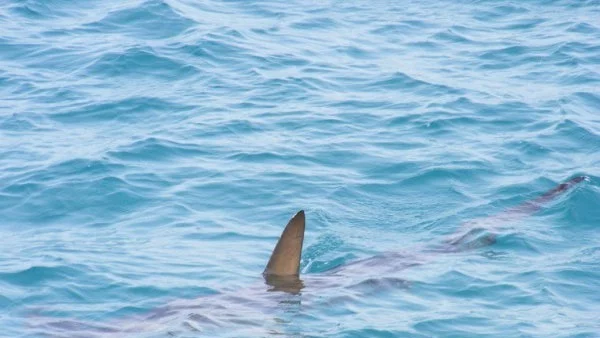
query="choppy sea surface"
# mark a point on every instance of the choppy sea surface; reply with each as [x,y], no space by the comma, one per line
[152,151]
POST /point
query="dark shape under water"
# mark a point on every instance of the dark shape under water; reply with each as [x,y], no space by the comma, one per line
[282,271]
[282,274]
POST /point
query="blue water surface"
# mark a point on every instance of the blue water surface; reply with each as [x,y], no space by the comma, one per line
[152,151]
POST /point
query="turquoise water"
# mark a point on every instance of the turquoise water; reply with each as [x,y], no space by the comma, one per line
[152,151]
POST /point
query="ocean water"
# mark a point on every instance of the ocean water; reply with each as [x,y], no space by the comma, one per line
[152,151]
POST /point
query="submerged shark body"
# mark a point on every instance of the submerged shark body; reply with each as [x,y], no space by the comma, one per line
[283,269]
[246,308]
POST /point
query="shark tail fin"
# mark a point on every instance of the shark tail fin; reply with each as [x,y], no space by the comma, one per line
[285,259]
[536,204]
[470,235]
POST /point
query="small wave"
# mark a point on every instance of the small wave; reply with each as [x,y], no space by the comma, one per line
[40,275]
[128,109]
[157,149]
[139,62]
[403,81]
[147,20]
[314,23]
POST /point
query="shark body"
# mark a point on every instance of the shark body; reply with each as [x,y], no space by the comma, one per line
[282,275]
[282,272]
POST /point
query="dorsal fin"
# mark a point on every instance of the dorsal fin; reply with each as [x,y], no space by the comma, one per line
[285,259]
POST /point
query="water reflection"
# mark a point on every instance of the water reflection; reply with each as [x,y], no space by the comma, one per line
[288,284]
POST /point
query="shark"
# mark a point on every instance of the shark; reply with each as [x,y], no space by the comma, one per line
[283,283]
[282,272]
